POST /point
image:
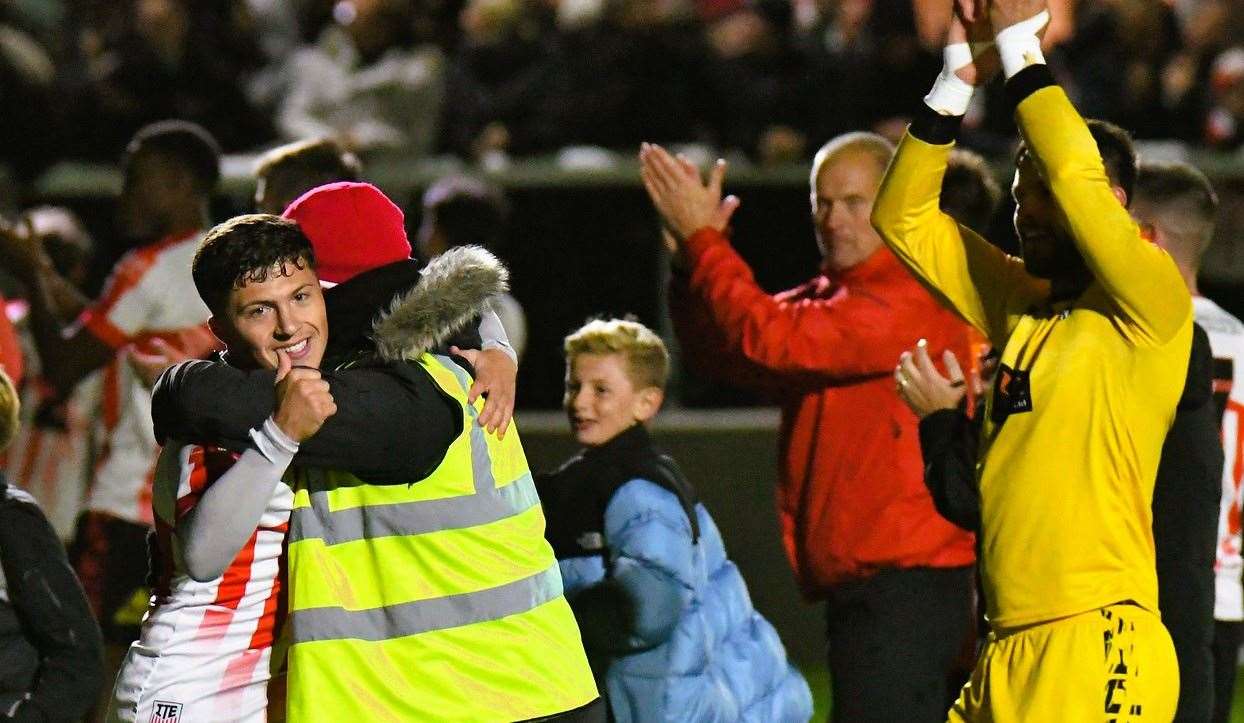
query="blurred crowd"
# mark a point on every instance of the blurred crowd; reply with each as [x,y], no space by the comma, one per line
[486,80]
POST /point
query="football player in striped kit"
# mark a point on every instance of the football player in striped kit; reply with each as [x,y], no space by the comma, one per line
[205,652]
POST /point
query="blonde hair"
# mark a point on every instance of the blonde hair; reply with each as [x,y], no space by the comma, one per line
[10,410]
[647,361]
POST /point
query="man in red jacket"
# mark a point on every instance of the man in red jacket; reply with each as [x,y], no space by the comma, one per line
[858,525]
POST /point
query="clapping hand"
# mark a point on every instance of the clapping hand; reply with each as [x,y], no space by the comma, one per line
[923,387]
[684,200]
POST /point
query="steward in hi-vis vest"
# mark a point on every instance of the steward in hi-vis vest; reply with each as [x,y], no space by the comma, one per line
[434,601]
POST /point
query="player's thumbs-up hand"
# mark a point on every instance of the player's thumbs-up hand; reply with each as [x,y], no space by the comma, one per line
[303,400]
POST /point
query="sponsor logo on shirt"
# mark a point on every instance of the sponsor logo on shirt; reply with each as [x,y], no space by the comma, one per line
[164,711]
[1012,393]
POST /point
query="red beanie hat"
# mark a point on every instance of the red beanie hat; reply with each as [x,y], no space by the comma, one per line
[353,228]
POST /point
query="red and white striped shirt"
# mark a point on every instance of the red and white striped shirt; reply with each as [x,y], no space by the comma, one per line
[149,295]
[1226,340]
[207,646]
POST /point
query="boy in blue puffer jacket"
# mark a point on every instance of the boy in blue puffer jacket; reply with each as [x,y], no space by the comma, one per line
[665,617]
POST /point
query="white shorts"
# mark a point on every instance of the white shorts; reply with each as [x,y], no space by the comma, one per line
[178,688]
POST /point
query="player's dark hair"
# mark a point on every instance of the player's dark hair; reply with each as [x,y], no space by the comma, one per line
[467,211]
[1118,154]
[970,193]
[247,249]
[310,163]
[186,144]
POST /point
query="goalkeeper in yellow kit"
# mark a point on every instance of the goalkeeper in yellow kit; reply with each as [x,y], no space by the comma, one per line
[1095,328]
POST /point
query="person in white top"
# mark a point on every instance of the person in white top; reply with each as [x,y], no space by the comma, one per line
[1176,207]
[171,169]
[206,648]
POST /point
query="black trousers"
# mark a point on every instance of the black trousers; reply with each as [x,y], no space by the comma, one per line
[893,641]
[1227,639]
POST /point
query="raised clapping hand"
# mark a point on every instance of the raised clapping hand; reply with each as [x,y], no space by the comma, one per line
[923,387]
[685,202]
[303,400]
[978,35]
[496,377]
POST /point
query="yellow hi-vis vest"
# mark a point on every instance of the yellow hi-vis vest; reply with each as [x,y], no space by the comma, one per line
[435,601]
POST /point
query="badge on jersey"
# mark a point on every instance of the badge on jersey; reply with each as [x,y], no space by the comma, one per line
[163,711]
[1012,393]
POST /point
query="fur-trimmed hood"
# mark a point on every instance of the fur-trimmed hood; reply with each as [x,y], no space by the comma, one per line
[455,287]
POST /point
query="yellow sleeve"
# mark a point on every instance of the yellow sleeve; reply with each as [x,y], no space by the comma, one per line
[988,288]
[1140,278]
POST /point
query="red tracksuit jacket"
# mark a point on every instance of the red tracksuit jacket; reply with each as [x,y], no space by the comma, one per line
[851,495]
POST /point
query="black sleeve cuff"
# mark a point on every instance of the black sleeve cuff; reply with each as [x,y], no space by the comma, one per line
[1028,81]
[932,127]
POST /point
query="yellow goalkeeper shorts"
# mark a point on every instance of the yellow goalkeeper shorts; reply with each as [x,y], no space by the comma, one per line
[1112,665]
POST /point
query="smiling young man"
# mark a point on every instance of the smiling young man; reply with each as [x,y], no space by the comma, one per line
[1095,328]
[205,651]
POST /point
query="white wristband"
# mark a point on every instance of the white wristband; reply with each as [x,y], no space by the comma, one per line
[1019,46]
[950,94]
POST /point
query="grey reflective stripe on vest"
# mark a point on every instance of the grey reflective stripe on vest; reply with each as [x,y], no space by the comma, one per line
[488,504]
[411,518]
[424,616]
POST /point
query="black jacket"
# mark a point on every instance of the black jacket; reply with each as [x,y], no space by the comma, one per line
[51,651]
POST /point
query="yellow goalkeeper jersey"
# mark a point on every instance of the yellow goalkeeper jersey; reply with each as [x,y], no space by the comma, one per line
[1088,387]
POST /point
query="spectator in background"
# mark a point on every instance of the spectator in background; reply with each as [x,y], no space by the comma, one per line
[1114,62]
[367,80]
[286,172]
[173,59]
[970,192]
[496,89]
[664,613]
[1208,28]
[1176,208]
[627,71]
[865,57]
[1224,126]
[459,210]
[859,528]
[171,169]
[31,121]
[50,651]
[51,456]
[758,76]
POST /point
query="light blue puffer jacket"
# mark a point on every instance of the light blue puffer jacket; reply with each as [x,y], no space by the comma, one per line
[719,660]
